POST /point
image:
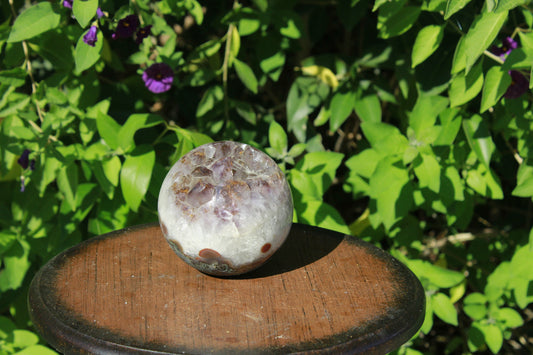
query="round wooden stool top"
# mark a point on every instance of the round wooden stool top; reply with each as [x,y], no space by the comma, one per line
[126,292]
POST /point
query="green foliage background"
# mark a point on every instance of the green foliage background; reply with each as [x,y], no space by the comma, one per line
[388,117]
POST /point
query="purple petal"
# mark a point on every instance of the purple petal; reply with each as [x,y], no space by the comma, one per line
[126,27]
[519,85]
[99,13]
[158,78]
[67,4]
[91,36]
[143,33]
[24,160]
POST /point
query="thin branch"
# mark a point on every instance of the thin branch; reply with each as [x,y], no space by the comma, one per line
[225,68]
[29,70]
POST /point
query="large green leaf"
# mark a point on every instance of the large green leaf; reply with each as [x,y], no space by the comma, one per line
[444,309]
[341,105]
[452,6]
[321,167]
[246,75]
[134,123]
[368,108]
[391,192]
[136,174]
[524,181]
[464,87]
[427,42]
[479,139]
[108,129]
[15,266]
[482,33]
[385,138]
[321,214]
[84,11]
[277,137]
[35,20]
[496,83]
[398,23]
[67,181]
[85,56]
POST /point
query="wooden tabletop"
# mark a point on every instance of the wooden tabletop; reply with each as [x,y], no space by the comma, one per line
[322,292]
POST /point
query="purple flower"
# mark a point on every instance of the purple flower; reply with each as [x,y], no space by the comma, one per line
[24,159]
[143,33]
[90,37]
[99,13]
[126,27]
[508,44]
[67,4]
[519,85]
[158,78]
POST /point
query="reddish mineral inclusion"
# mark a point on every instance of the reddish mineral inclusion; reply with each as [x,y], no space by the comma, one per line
[225,208]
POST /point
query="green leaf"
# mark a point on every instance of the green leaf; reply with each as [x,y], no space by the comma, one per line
[398,23]
[272,58]
[321,167]
[385,138]
[424,115]
[524,181]
[67,182]
[444,309]
[13,77]
[108,129]
[509,317]
[482,33]
[248,21]
[493,337]
[426,43]
[289,23]
[23,338]
[450,126]
[235,44]
[84,11]
[506,5]
[196,10]
[475,306]
[212,96]
[136,174]
[464,87]
[391,193]
[340,107]
[37,350]
[35,20]
[277,137]
[246,75]
[479,139]
[452,6]
[459,57]
[85,55]
[134,123]
[15,266]
[435,275]
[321,214]
[496,83]
[368,108]
[428,172]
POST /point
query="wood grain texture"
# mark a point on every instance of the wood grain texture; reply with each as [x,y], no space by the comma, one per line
[126,292]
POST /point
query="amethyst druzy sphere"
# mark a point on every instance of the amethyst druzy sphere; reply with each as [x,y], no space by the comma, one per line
[225,208]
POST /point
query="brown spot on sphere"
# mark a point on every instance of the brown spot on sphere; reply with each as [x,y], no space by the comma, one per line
[266,247]
[209,254]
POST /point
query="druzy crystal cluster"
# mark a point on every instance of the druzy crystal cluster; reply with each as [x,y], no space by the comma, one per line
[225,208]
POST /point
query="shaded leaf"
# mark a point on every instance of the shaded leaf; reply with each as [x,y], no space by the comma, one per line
[136,174]
[35,20]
